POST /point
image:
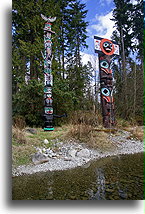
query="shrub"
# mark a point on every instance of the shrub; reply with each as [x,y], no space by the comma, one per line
[19,122]
[18,136]
[28,103]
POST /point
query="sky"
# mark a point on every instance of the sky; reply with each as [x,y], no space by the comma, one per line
[98,16]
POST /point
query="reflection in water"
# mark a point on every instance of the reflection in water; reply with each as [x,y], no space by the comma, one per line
[101,184]
[100,181]
[113,178]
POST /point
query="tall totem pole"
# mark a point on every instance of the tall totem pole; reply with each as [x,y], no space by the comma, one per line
[106,49]
[48,78]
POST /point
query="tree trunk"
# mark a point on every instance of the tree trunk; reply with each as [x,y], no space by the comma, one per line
[32,68]
[124,75]
[134,100]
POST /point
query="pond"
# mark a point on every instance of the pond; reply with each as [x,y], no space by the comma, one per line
[112,178]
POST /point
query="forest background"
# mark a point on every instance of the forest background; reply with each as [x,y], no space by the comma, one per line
[75,90]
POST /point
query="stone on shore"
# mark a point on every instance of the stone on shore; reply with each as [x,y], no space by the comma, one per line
[72,153]
[39,158]
[46,141]
[30,130]
[84,153]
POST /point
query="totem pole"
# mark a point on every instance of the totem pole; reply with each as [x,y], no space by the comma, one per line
[48,78]
[106,49]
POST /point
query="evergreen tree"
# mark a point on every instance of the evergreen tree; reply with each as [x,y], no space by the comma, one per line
[63,17]
[27,62]
[28,31]
[138,29]
[76,31]
[129,35]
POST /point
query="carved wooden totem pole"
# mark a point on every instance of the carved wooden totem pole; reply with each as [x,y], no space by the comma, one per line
[106,49]
[48,78]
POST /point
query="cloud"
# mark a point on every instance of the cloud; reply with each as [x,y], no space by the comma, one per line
[104,2]
[104,26]
[90,58]
[133,1]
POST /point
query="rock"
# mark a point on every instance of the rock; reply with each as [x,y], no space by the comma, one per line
[84,153]
[72,153]
[67,159]
[86,165]
[39,158]
[39,150]
[50,153]
[46,141]
[30,130]
[44,150]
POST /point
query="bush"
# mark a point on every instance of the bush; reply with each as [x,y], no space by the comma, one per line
[19,136]
[89,118]
[28,103]
[19,122]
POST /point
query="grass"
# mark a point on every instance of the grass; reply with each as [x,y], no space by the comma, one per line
[136,132]
[24,143]
[94,139]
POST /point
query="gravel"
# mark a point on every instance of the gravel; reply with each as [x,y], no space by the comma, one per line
[73,154]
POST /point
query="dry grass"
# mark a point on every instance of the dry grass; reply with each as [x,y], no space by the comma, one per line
[19,122]
[89,118]
[79,131]
[94,139]
[136,132]
[19,135]
[22,154]
[24,143]
[120,123]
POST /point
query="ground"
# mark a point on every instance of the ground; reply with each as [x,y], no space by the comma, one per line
[70,146]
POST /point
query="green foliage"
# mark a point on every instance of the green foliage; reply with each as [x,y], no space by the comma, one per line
[128,73]
[28,102]
[123,18]
[137,27]
[72,90]
[71,82]
[63,101]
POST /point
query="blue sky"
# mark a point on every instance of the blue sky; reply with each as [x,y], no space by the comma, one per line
[98,16]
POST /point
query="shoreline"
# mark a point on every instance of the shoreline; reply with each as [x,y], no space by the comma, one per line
[74,154]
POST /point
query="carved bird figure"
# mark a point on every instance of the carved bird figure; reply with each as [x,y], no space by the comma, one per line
[49,19]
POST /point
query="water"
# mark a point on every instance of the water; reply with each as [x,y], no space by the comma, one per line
[113,178]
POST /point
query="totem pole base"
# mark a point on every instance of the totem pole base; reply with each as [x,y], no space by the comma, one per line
[48,129]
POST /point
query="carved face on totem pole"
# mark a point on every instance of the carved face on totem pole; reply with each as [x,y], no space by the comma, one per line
[107,94]
[107,47]
[105,65]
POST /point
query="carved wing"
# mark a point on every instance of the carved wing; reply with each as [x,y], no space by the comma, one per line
[51,19]
[44,17]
